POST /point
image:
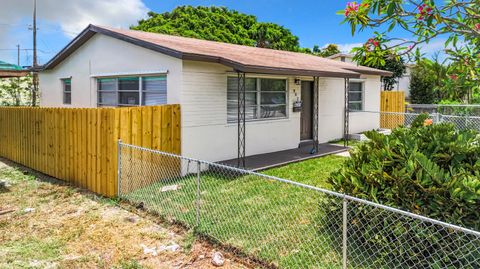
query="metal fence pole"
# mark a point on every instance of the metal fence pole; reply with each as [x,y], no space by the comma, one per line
[119,167]
[344,234]
[198,194]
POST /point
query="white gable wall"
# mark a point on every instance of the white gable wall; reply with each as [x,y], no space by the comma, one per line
[100,55]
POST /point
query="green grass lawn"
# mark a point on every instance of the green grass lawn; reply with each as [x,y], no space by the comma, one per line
[351,143]
[275,222]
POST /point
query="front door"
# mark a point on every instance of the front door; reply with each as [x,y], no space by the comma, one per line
[307,111]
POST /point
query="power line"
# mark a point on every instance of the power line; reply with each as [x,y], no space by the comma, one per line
[40,50]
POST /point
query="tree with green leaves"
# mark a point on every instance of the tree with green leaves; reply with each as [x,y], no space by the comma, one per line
[220,24]
[15,91]
[459,20]
[389,62]
[328,50]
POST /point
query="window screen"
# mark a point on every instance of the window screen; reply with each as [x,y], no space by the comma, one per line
[132,91]
[264,98]
[154,90]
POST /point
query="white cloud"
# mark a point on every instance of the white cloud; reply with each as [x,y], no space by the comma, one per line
[58,18]
[74,15]
[347,47]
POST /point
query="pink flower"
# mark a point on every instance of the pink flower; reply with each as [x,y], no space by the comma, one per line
[351,7]
[477,26]
[424,10]
[453,77]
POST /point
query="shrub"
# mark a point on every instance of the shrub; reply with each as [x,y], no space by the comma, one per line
[431,170]
[422,86]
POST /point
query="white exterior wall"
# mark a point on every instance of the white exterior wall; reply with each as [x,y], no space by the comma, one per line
[207,135]
[205,131]
[101,55]
[331,108]
[404,82]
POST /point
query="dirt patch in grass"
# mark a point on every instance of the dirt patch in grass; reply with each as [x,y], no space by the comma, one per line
[46,225]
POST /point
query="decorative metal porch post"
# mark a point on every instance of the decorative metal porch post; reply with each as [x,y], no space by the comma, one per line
[315,116]
[241,119]
[346,114]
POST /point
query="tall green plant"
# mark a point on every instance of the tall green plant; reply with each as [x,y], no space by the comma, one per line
[431,170]
[15,91]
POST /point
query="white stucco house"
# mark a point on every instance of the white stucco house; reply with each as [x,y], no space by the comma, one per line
[103,66]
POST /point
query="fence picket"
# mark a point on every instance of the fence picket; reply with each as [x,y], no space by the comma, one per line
[80,145]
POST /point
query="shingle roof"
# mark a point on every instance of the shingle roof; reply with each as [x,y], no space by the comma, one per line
[241,58]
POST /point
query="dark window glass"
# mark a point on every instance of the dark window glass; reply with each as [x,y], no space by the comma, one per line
[267,84]
[128,84]
[355,96]
[128,98]
[268,100]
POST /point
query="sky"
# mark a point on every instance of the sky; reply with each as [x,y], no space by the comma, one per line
[315,22]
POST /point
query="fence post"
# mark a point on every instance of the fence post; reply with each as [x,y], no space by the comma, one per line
[198,194]
[344,234]
[119,167]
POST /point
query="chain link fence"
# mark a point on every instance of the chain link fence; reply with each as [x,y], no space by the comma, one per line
[285,224]
[391,120]
[454,110]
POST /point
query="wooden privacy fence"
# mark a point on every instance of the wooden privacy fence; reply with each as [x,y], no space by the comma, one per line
[79,145]
[392,101]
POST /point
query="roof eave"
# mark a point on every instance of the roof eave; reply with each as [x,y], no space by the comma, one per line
[376,72]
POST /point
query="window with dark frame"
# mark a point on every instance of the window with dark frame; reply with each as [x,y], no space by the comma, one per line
[67,91]
[355,96]
[265,98]
[132,91]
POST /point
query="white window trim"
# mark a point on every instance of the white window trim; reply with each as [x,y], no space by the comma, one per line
[362,81]
[116,91]
[258,105]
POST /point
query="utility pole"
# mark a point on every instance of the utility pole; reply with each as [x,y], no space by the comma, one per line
[35,74]
[18,54]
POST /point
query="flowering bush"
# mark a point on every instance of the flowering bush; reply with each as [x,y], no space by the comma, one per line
[430,170]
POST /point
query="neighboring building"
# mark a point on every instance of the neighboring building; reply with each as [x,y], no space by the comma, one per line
[403,83]
[343,57]
[8,70]
[111,67]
